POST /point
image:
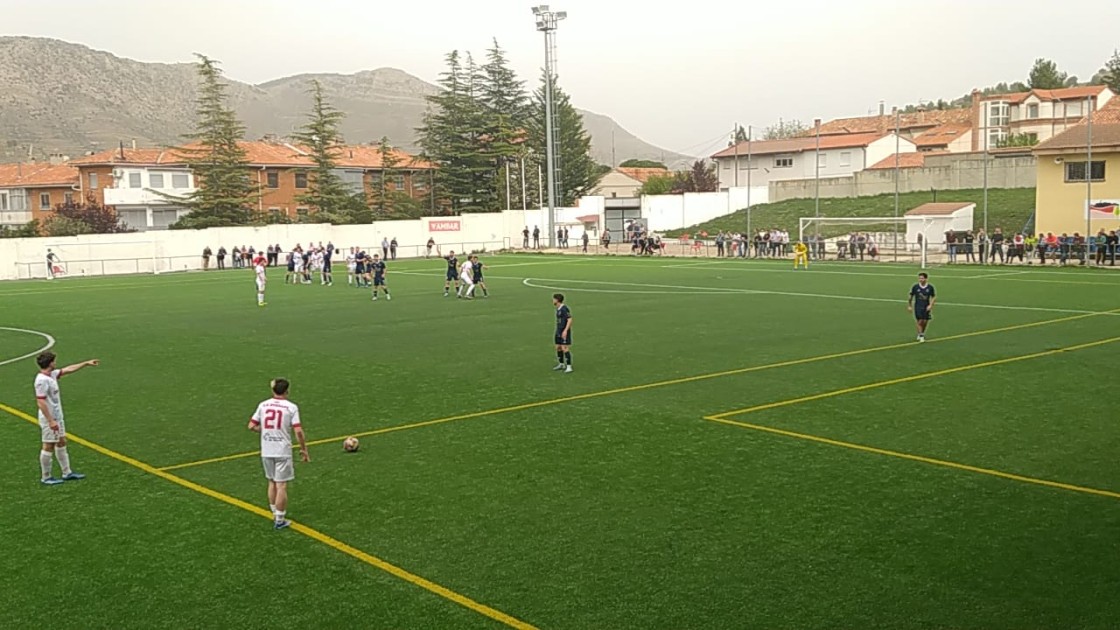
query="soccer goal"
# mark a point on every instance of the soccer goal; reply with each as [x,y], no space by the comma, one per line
[888,234]
[96,259]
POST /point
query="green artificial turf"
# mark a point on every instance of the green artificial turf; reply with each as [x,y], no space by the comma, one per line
[1008,208]
[597,499]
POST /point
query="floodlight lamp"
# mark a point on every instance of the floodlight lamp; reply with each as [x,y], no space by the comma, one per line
[560,15]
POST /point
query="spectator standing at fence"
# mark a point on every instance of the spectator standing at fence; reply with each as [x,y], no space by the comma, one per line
[221,257]
[270,253]
[525,238]
[606,239]
[997,246]
[206,253]
[1112,243]
[393,248]
[236,257]
[536,237]
[969,244]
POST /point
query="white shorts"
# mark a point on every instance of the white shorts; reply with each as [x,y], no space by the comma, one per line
[260,286]
[351,267]
[466,279]
[49,436]
[279,468]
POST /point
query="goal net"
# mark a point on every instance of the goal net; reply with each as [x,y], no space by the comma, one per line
[97,259]
[842,236]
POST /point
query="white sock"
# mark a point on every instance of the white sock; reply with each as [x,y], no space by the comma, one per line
[272,508]
[45,462]
[63,458]
[470,290]
[279,515]
[260,298]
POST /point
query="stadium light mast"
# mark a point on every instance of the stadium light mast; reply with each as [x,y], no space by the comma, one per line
[547,21]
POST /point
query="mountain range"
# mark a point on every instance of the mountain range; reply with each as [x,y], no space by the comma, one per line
[70,99]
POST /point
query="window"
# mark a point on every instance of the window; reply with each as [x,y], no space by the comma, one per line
[44,201]
[846,158]
[418,183]
[18,201]
[1073,108]
[1032,110]
[354,180]
[726,165]
[784,162]
[302,212]
[301,179]
[273,179]
[1075,171]
[398,182]
[93,181]
[822,160]
[996,137]
[134,180]
[3,201]
[999,114]
[155,180]
[180,180]
[68,198]
[274,211]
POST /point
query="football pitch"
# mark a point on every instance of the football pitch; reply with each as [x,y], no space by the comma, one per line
[739,446]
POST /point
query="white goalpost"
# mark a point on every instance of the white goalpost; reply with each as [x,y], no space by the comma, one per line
[888,233]
[99,259]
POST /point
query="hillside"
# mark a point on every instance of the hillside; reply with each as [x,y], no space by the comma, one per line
[1009,208]
[72,99]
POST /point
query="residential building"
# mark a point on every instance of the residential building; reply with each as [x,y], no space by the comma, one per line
[1038,114]
[950,137]
[627,181]
[142,183]
[909,124]
[29,191]
[760,162]
[1076,193]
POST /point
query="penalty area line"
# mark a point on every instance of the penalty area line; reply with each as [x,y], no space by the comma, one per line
[310,532]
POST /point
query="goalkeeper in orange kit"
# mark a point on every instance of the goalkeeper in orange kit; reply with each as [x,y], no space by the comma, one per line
[800,255]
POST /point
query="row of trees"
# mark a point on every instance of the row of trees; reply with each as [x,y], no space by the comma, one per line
[486,135]
[702,177]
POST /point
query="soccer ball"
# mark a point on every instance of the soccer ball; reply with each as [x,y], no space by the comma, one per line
[350,444]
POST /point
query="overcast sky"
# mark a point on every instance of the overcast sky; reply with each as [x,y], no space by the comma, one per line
[677,76]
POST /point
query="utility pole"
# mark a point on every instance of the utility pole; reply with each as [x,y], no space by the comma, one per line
[547,21]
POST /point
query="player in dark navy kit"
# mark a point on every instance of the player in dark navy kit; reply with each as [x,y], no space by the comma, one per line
[327,277]
[563,334]
[377,267]
[360,260]
[477,272]
[452,274]
[922,298]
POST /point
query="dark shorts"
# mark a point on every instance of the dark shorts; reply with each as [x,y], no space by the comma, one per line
[451,275]
[379,281]
[477,278]
[922,314]
[564,341]
[326,264]
[291,266]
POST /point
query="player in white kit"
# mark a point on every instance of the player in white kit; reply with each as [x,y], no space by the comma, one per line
[262,278]
[276,419]
[466,276]
[51,421]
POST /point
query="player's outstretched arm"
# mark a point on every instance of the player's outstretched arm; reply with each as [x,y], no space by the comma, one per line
[254,425]
[70,369]
[303,454]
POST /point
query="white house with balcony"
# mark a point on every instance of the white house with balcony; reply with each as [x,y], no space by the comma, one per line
[1034,116]
[757,163]
[140,195]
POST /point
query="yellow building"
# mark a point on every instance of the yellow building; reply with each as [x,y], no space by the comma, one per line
[1074,195]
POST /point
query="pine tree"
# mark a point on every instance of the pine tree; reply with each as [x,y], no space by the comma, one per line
[451,133]
[225,194]
[576,172]
[1046,76]
[506,112]
[388,201]
[1110,74]
[333,200]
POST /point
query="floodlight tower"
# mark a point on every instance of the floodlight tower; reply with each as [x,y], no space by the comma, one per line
[547,21]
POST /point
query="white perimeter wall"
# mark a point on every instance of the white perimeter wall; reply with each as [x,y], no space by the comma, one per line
[671,212]
[179,250]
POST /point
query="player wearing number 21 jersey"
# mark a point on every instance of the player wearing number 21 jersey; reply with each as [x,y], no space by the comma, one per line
[275,419]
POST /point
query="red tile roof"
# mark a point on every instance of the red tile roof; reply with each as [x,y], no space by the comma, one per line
[942,135]
[1106,132]
[886,122]
[643,174]
[258,153]
[905,160]
[1060,94]
[38,175]
[800,145]
[939,209]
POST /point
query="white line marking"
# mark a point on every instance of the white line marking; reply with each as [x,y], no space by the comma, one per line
[812,295]
[529,283]
[997,275]
[50,344]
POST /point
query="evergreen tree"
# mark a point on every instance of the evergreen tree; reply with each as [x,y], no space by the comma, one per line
[506,112]
[389,201]
[1110,74]
[576,172]
[333,199]
[225,194]
[450,136]
[1046,76]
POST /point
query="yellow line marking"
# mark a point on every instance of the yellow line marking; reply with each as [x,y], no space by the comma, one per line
[917,458]
[634,388]
[914,377]
[314,534]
